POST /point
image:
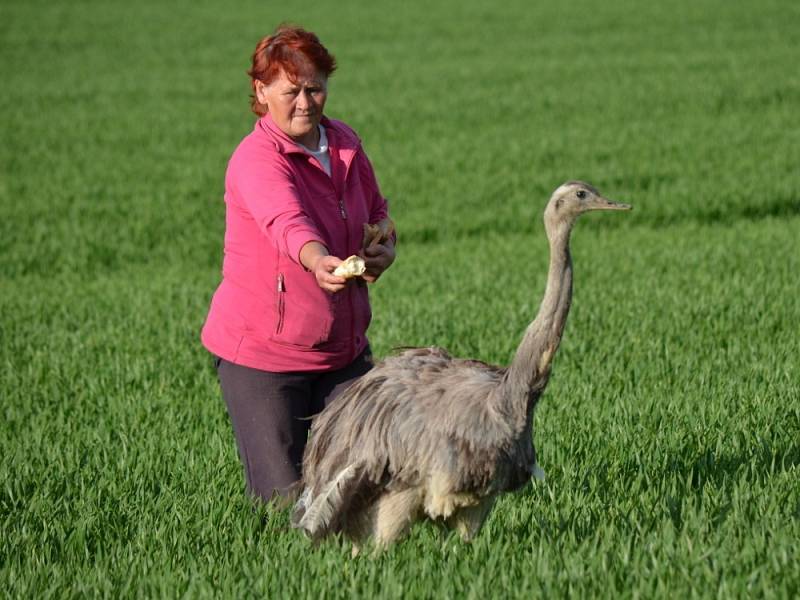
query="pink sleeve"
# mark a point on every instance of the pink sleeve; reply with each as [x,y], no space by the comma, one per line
[265,186]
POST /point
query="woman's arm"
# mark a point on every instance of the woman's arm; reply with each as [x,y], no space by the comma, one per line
[263,185]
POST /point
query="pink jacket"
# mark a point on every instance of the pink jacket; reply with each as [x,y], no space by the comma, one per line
[268,312]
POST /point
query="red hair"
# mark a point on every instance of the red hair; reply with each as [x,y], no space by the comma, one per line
[289,49]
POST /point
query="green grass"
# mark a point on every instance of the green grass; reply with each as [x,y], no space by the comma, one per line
[670,431]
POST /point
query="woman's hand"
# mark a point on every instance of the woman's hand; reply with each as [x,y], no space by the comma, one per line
[314,257]
[377,258]
[323,269]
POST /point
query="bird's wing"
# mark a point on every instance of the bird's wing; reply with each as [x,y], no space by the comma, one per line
[320,513]
[357,427]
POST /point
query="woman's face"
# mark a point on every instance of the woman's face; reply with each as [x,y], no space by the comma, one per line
[296,106]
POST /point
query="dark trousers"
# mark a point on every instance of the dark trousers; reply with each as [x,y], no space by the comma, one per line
[271,415]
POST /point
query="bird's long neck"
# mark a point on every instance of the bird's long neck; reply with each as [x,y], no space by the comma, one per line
[529,371]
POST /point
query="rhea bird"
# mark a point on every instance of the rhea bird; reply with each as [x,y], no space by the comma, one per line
[426,435]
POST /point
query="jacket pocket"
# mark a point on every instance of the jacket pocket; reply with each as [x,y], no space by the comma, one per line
[304,319]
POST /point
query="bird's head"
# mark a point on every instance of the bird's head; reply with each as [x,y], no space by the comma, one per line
[574,198]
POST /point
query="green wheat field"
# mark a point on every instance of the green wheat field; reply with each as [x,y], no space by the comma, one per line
[670,432]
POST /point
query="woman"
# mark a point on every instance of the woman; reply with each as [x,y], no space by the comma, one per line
[287,333]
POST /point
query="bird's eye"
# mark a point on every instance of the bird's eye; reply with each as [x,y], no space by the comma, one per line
[581,194]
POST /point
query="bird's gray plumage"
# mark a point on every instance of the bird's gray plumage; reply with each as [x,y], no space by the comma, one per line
[424,433]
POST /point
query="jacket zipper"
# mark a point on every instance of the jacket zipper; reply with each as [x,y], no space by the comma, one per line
[349,289]
[281,291]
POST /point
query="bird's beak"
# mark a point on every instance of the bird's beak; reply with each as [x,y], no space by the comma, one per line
[600,203]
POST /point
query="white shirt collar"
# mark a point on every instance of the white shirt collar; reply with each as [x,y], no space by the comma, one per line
[323,143]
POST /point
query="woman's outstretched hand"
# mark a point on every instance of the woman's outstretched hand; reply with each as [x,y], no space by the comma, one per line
[323,271]
[314,257]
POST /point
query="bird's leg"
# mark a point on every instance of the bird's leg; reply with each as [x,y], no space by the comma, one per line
[467,521]
[396,511]
[441,501]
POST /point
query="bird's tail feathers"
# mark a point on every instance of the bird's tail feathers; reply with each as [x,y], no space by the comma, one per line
[300,507]
[318,514]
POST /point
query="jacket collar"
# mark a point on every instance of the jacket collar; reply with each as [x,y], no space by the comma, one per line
[343,145]
[339,135]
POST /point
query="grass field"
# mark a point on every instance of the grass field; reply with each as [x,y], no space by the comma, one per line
[670,432]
